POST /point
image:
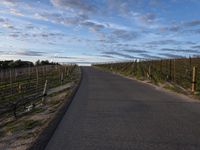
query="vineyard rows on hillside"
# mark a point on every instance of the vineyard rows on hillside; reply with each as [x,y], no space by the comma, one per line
[22,86]
[184,72]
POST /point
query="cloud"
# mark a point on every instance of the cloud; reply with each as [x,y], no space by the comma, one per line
[123,35]
[15,12]
[93,25]
[32,32]
[144,19]
[192,23]
[196,47]
[120,55]
[191,31]
[180,50]
[2,20]
[163,42]
[10,2]
[167,55]
[129,26]
[6,23]
[148,56]
[14,35]
[23,53]
[82,6]
[182,26]
[118,5]
[174,28]
[108,56]
[29,53]
[135,51]
[65,57]
[148,18]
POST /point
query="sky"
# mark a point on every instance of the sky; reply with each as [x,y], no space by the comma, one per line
[96,31]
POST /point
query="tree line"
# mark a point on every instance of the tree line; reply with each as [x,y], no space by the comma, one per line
[21,64]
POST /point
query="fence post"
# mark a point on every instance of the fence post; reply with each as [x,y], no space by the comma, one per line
[37,79]
[44,92]
[62,78]
[190,62]
[174,78]
[19,88]
[170,69]
[11,83]
[190,65]
[65,69]
[149,72]
[161,66]
[1,76]
[136,67]
[194,73]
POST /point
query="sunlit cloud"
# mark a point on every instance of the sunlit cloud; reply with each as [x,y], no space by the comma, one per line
[103,30]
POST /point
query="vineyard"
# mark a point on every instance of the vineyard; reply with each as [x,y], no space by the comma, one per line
[24,86]
[184,72]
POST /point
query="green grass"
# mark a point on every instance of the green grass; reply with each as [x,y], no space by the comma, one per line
[30,124]
[38,110]
[19,126]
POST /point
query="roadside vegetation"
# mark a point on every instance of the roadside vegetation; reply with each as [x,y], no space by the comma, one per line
[30,96]
[181,75]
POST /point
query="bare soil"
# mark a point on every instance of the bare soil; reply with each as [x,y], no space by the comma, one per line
[20,133]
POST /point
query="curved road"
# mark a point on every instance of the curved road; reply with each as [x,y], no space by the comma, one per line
[114,113]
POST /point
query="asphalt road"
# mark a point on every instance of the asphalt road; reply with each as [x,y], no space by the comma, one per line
[110,112]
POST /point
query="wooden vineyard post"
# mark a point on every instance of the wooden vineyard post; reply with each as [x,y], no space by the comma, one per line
[59,74]
[194,73]
[136,66]
[11,83]
[29,76]
[65,69]
[174,77]
[161,66]
[149,72]
[62,78]
[1,76]
[37,79]
[14,75]
[190,65]
[111,67]
[167,69]
[19,89]
[170,69]
[68,71]
[44,92]
[44,72]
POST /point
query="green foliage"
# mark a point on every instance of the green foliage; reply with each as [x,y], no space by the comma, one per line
[15,64]
[7,64]
[44,62]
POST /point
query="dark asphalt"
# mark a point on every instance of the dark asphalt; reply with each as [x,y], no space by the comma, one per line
[114,113]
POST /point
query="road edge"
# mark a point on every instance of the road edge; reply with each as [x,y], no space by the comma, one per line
[43,139]
[161,89]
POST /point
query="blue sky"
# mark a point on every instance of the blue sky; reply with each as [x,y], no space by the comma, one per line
[99,30]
